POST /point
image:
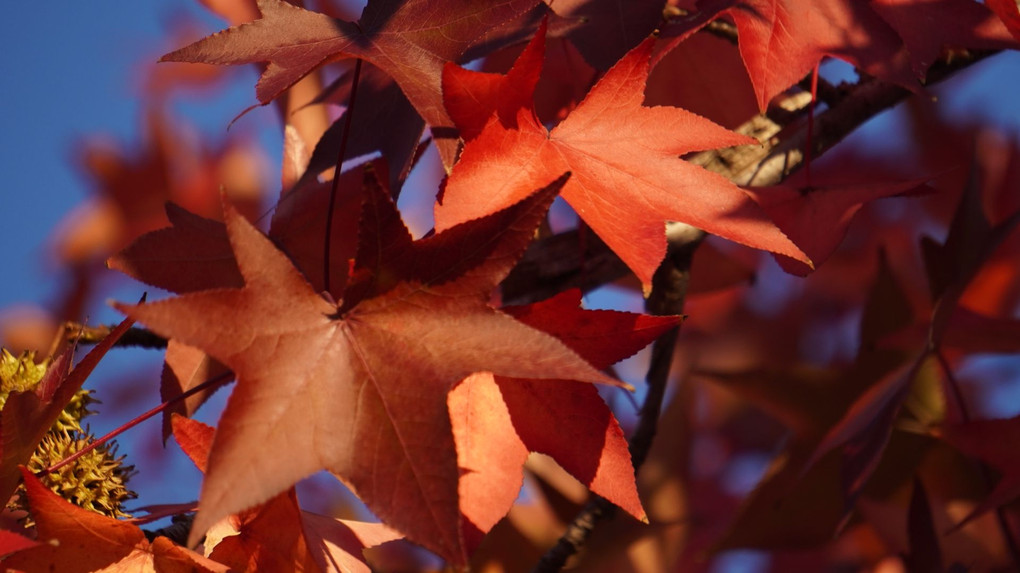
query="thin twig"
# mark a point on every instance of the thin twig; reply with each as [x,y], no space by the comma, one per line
[137,420]
[135,336]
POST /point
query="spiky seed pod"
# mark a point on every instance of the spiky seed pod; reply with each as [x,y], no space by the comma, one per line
[95,481]
[22,374]
[77,409]
[19,373]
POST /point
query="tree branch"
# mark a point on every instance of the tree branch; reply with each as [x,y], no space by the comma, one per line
[135,336]
[554,264]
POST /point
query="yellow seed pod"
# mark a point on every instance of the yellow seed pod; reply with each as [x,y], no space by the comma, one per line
[19,373]
[95,481]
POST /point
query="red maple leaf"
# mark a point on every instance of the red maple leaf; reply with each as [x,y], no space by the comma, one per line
[73,540]
[627,178]
[497,421]
[408,40]
[361,389]
[816,216]
[194,254]
[471,97]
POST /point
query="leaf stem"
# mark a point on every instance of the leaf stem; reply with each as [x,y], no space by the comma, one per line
[349,114]
[138,420]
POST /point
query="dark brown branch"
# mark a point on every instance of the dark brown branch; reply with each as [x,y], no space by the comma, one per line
[76,332]
[719,28]
[559,262]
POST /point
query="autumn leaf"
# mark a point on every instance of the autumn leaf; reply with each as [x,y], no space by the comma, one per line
[379,102]
[373,378]
[472,97]
[781,41]
[72,539]
[953,264]
[497,421]
[11,542]
[408,40]
[277,535]
[627,178]
[995,443]
[192,254]
[168,170]
[185,367]
[883,378]
[816,216]
[842,422]
[1009,12]
[929,29]
[608,29]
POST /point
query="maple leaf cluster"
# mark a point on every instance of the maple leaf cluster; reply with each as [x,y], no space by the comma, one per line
[438,378]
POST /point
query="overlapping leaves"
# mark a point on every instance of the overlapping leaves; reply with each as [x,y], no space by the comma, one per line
[359,387]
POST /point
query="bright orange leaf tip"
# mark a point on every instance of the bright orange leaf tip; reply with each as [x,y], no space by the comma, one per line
[472,97]
[73,540]
[628,179]
[361,390]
